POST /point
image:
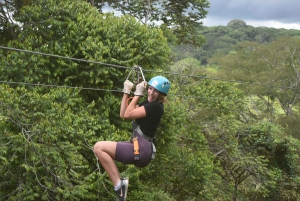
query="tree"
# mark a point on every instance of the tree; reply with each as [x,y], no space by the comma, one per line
[279,151]
[7,31]
[235,24]
[75,30]
[243,167]
[273,68]
[97,42]
[182,17]
[46,145]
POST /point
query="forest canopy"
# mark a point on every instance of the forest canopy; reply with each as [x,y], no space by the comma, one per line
[230,129]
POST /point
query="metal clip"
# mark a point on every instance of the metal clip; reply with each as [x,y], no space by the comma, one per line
[138,72]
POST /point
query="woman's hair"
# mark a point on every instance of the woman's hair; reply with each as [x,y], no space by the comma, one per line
[162,98]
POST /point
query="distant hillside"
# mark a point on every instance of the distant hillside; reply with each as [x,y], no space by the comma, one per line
[221,39]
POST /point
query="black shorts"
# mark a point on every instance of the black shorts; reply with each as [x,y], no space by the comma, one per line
[125,153]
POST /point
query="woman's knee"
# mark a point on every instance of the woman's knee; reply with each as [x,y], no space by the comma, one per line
[105,147]
[98,147]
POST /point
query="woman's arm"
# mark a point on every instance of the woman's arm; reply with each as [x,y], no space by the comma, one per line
[132,111]
[123,105]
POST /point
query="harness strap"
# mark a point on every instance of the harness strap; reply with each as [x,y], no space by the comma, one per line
[136,128]
[153,151]
[136,148]
[134,139]
[140,132]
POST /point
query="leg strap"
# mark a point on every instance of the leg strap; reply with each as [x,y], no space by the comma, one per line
[136,148]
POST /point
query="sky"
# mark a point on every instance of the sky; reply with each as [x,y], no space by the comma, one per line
[258,13]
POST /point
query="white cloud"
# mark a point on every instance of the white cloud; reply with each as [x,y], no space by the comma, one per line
[274,24]
[267,13]
[267,23]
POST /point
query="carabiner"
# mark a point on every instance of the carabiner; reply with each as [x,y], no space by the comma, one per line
[138,70]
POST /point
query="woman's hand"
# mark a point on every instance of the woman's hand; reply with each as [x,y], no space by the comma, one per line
[127,86]
[140,89]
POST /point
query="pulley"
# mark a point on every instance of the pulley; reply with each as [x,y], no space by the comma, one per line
[137,74]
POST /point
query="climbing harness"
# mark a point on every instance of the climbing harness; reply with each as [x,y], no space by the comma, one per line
[137,73]
[134,139]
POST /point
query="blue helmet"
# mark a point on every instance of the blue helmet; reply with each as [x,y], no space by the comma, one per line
[160,83]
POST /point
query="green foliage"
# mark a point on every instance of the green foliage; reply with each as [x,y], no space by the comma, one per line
[77,30]
[274,71]
[257,169]
[181,17]
[212,123]
[291,124]
[215,141]
[220,40]
[8,28]
[46,145]
[235,24]
[268,141]
[94,43]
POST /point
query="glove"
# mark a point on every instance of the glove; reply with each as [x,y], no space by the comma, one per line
[140,89]
[127,87]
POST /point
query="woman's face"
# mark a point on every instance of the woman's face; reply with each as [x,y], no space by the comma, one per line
[153,94]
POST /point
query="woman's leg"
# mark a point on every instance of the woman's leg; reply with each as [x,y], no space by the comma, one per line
[105,152]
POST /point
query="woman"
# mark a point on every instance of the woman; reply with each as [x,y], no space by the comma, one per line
[147,116]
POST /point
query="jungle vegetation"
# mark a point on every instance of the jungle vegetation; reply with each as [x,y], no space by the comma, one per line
[230,131]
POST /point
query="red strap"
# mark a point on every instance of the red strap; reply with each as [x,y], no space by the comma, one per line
[128,100]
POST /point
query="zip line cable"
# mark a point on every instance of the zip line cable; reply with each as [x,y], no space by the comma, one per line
[185,98]
[170,73]
[62,57]
[59,86]
[119,91]
[119,66]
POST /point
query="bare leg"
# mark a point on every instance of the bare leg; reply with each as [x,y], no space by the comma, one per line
[105,152]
